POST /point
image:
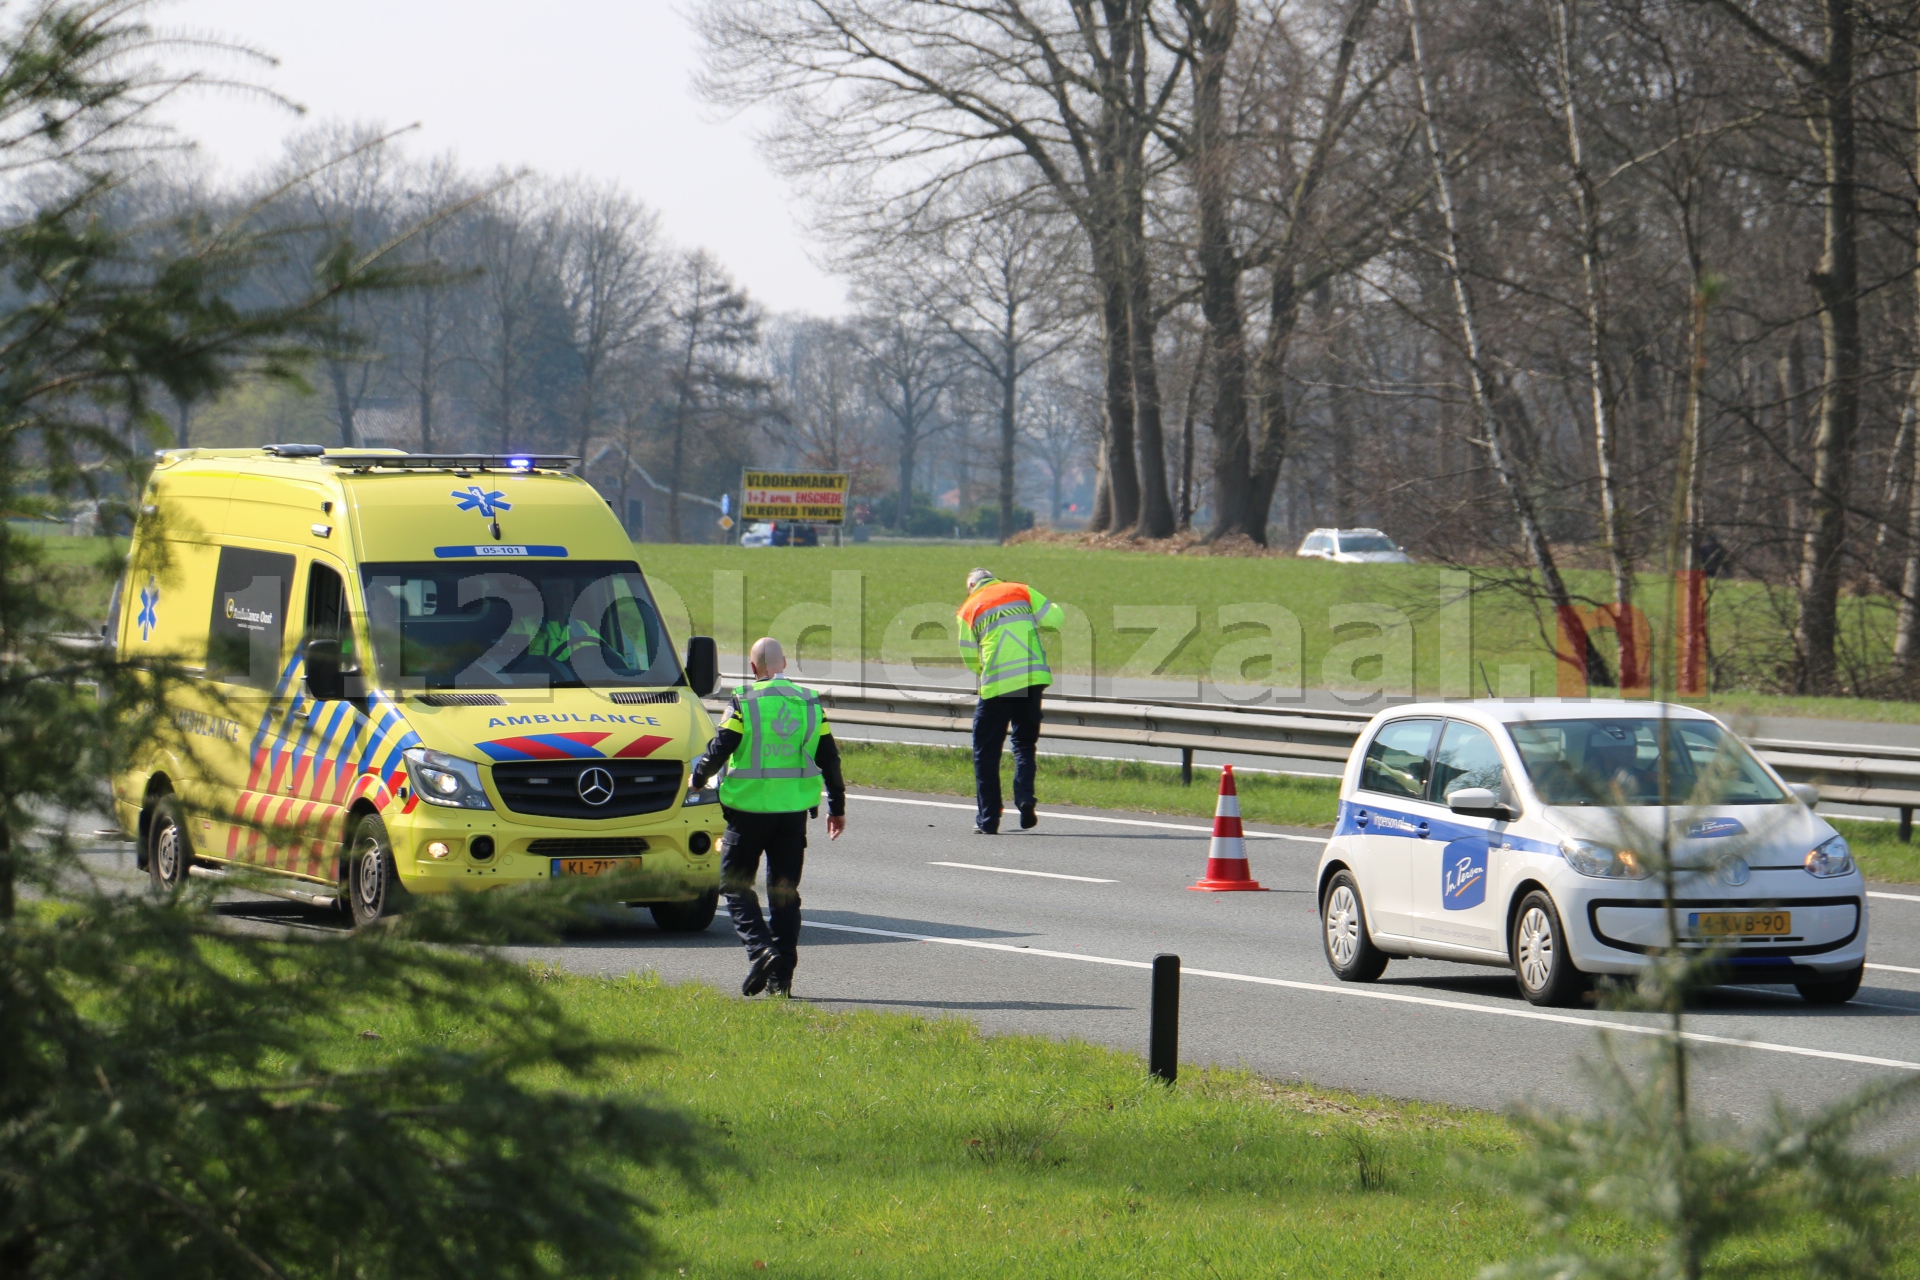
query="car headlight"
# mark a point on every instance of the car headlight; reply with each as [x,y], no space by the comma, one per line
[706,795]
[1591,858]
[441,779]
[1832,858]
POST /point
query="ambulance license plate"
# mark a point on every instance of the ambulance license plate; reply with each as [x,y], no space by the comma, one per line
[589,866]
[1731,924]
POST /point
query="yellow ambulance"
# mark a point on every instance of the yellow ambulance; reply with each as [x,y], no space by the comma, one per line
[408,673]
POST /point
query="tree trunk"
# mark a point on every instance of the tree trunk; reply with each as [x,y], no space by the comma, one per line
[1123,481]
[1212,31]
[1906,644]
[1156,505]
[1531,532]
[343,404]
[1186,430]
[1837,285]
[1587,202]
[1008,386]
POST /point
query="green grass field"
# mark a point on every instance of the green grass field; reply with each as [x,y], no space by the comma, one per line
[897,606]
[1277,799]
[881,1145]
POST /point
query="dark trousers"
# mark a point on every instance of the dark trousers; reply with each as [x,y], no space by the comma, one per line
[992,717]
[783,838]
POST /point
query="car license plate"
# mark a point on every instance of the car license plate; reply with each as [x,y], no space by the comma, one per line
[590,866]
[1730,924]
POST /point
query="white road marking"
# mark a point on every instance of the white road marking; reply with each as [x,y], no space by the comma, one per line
[1894,897]
[1087,817]
[1893,968]
[1395,997]
[1051,875]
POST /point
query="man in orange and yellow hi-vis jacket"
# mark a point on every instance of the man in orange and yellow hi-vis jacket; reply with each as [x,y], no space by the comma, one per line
[1000,639]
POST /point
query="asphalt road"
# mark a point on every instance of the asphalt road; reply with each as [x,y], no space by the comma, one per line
[1051,932]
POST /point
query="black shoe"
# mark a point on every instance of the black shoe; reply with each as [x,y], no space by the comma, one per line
[1028,818]
[986,831]
[780,984]
[759,974]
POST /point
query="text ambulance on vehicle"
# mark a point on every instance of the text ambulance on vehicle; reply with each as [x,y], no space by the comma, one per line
[408,673]
[1520,835]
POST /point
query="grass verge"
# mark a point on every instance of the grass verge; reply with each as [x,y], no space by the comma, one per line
[1877,848]
[886,1145]
[1097,784]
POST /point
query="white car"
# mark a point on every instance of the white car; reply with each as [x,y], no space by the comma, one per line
[1353,546]
[1518,834]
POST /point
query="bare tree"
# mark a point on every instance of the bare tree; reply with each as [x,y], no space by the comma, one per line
[609,262]
[712,329]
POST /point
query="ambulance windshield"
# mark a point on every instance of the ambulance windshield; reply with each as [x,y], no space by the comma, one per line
[474,624]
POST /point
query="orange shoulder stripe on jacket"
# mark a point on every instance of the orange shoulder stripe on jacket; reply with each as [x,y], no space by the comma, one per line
[992,596]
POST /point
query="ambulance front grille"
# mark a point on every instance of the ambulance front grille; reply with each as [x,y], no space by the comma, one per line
[551,788]
[588,846]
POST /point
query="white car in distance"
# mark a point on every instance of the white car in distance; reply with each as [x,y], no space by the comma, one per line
[1520,835]
[1353,546]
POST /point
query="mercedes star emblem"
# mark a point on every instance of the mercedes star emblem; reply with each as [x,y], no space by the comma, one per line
[596,786]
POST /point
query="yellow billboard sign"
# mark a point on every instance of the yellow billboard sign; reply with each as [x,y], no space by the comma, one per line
[816,496]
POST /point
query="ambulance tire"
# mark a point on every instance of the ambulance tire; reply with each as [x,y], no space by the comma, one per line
[169,851]
[373,882]
[686,917]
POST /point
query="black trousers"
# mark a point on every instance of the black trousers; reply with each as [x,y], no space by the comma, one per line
[992,717]
[782,837]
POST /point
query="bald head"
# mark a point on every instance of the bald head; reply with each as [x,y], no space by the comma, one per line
[767,657]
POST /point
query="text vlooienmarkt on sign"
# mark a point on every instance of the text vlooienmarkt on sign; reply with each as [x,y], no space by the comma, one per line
[817,496]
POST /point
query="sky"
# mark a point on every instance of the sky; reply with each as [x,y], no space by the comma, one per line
[598,88]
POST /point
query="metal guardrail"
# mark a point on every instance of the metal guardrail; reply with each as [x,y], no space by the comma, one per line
[1871,777]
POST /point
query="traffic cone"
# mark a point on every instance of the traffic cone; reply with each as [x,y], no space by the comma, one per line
[1227,856]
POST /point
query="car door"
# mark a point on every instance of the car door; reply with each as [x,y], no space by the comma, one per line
[1383,817]
[1453,870]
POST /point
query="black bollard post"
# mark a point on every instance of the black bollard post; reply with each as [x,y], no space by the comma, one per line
[1163,1020]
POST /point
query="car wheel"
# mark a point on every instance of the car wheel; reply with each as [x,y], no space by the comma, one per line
[1349,947]
[1540,961]
[373,882]
[1836,988]
[686,917]
[169,851]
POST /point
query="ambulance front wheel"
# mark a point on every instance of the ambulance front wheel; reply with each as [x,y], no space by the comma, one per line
[686,917]
[373,884]
[169,852]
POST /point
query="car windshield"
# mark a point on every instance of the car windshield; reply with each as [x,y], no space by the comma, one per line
[1366,542]
[475,624]
[1620,760]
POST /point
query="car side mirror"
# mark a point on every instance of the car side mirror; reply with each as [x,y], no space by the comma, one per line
[325,681]
[1480,802]
[702,665]
[1806,793]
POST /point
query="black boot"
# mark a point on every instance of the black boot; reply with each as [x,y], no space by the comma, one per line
[759,974]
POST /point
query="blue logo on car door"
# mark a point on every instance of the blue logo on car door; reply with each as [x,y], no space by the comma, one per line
[1463,874]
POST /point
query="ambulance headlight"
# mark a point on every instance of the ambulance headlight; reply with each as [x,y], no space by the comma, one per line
[441,779]
[1603,861]
[706,795]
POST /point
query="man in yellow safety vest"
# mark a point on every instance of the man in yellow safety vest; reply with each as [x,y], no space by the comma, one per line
[1000,639]
[779,755]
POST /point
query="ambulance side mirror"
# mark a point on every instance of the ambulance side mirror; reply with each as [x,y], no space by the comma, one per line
[702,665]
[325,683]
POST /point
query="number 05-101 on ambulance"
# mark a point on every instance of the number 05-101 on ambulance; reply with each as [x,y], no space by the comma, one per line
[408,673]
[1527,835]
